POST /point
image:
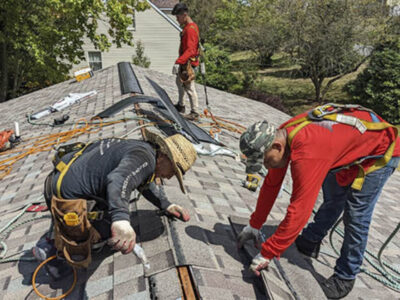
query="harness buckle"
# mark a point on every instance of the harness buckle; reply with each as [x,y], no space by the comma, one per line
[95,215]
[319,112]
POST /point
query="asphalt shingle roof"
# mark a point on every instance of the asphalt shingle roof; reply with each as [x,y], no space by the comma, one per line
[206,242]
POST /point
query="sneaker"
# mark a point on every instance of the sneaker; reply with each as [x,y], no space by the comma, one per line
[180,108]
[193,116]
[308,248]
[337,288]
[43,249]
[56,268]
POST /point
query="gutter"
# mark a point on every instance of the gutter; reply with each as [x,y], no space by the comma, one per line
[169,20]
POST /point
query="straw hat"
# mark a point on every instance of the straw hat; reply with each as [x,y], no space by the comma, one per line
[178,149]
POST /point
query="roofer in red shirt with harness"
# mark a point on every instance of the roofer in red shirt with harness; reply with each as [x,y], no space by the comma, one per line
[188,60]
[347,150]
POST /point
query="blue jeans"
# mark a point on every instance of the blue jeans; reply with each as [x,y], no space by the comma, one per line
[357,208]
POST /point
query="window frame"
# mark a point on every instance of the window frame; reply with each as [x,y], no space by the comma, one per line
[95,62]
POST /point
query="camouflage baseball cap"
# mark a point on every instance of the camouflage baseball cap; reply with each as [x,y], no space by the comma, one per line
[253,143]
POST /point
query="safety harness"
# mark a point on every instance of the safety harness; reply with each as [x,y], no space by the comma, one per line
[193,59]
[75,236]
[63,168]
[334,112]
[186,71]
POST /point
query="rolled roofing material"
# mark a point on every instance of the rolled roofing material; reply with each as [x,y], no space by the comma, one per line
[128,80]
[117,107]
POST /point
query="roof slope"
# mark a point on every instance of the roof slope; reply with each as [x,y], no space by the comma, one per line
[206,242]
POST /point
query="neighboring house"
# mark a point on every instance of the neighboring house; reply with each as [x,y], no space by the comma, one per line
[165,5]
[159,36]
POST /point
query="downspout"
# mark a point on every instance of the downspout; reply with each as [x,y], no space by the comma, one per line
[169,20]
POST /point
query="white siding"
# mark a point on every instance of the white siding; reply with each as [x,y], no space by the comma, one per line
[160,40]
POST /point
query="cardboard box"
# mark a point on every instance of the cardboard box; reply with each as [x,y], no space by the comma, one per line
[83,74]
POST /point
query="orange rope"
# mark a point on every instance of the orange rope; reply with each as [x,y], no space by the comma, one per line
[220,123]
[47,142]
[43,296]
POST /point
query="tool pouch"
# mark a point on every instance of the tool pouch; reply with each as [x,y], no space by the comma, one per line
[186,72]
[73,241]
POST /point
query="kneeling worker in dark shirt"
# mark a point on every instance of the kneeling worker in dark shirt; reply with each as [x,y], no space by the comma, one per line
[108,170]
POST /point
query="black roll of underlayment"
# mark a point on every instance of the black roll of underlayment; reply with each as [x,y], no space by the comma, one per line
[190,128]
[130,101]
[128,80]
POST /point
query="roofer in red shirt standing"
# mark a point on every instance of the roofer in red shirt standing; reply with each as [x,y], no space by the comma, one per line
[350,152]
[187,60]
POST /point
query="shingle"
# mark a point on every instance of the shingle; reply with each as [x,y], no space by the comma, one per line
[190,247]
[130,287]
[100,286]
[160,262]
[165,285]
[214,193]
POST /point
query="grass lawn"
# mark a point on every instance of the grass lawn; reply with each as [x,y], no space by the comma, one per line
[283,80]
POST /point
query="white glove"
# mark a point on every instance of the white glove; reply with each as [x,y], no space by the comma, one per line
[258,263]
[175,69]
[123,237]
[249,233]
[179,212]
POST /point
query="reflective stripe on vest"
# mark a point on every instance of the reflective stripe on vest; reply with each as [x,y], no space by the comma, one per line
[331,112]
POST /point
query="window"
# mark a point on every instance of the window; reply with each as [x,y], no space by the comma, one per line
[95,60]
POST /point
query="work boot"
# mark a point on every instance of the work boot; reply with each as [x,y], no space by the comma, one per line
[193,116]
[180,108]
[56,268]
[311,249]
[337,288]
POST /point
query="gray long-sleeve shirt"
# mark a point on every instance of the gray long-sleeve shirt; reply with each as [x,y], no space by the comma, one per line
[108,171]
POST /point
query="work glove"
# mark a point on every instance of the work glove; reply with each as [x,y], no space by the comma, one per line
[178,212]
[258,263]
[175,69]
[123,237]
[249,233]
[252,182]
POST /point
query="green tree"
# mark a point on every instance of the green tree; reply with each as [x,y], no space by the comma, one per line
[378,86]
[325,35]
[219,70]
[139,58]
[260,29]
[203,13]
[41,39]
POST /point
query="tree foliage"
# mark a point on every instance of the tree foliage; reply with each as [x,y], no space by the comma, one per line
[252,25]
[139,58]
[378,86]
[203,13]
[260,29]
[325,33]
[219,70]
[41,39]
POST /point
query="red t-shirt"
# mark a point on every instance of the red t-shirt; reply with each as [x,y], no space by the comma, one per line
[316,149]
[189,47]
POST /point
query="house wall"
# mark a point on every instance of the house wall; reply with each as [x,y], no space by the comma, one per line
[160,40]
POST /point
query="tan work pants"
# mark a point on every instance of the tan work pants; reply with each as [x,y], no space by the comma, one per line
[190,89]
